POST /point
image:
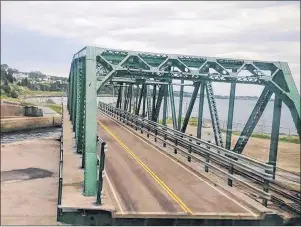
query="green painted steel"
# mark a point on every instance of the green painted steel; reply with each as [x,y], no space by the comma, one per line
[180,105]
[154,101]
[200,111]
[94,67]
[230,115]
[172,106]
[90,180]
[165,104]
[275,132]
[159,102]
[253,120]
[190,107]
[214,115]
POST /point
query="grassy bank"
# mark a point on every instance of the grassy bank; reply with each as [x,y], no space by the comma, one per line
[192,121]
[283,138]
[56,107]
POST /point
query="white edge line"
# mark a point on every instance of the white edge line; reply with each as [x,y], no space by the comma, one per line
[114,193]
[183,167]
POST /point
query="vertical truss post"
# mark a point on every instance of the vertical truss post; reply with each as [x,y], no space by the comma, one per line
[81,116]
[118,103]
[200,112]
[180,105]
[69,89]
[190,107]
[130,97]
[275,132]
[159,102]
[74,99]
[230,115]
[140,99]
[165,104]
[214,114]
[125,96]
[78,103]
[90,179]
[144,100]
[253,120]
[154,101]
[172,106]
[149,102]
[72,90]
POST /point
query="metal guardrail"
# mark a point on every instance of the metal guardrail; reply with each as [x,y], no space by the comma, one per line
[60,188]
[101,163]
[195,148]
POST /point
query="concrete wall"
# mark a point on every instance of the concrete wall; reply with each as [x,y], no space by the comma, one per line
[25,123]
[11,110]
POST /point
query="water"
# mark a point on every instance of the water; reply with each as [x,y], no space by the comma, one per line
[29,134]
[242,111]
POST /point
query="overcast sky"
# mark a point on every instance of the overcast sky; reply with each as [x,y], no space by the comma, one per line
[44,35]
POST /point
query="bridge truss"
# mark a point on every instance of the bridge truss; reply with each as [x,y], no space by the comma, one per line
[145,82]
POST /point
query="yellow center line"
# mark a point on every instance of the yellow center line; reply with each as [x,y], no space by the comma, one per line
[159,181]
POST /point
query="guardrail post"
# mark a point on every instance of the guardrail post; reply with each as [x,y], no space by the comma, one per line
[156,133]
[141,127]
[165,137]
[136,124]
[230,170]
[101,168]
[176,144]
[207,157]
[266,189]
[148,129]
[189,150]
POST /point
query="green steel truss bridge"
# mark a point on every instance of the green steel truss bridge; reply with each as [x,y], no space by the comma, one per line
[145,84]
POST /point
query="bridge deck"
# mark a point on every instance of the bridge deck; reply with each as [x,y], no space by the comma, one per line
[146,180]
[142,181]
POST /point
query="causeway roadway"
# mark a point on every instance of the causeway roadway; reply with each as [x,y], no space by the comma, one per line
[143,179]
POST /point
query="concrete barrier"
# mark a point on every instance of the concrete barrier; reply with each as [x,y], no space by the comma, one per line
[9,110]
[26,123]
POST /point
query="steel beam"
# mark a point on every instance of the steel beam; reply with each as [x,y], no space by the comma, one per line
[275,132]
[144,100]
[190,107]
[253,120]
[154,100]
[165,104]
[200,112]
[140,99]
[230,116]
[90,179]
[172,106]
[159,102]
[180,105]
[214,115]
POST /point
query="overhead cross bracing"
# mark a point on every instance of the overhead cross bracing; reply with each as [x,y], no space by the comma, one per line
[94,67]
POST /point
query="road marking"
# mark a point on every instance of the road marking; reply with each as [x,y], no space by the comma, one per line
[159,181]
[114,192]
[182,166]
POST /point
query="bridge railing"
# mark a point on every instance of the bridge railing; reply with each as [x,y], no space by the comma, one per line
[201,151]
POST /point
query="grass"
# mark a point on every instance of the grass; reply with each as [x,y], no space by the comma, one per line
[4,97]
[43,93]
[56,107]
[192,121]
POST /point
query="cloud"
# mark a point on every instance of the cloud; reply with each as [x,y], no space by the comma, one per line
[252,30]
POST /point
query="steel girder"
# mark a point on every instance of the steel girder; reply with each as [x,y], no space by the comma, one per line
[94,67]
